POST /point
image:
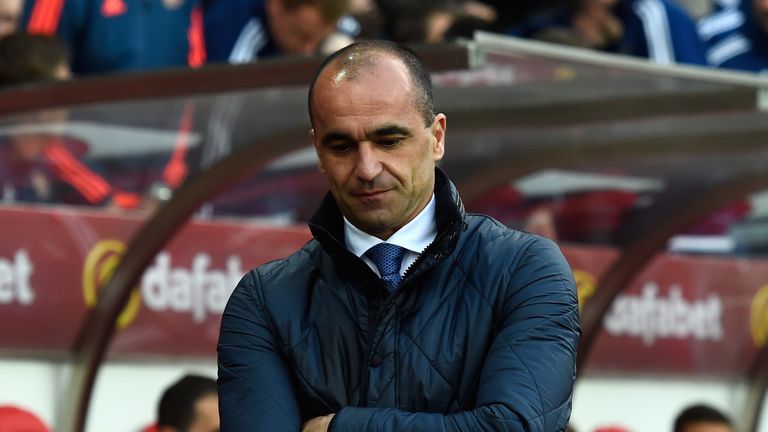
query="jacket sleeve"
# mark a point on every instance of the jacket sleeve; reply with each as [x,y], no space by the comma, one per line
[688,46]
[527,378]
[255,387]
[64,19]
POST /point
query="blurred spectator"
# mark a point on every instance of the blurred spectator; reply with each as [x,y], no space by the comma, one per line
[189,405]
[13,419]
[368,17]
[26,58]
[434,21]
[121,35]
[42,168]
[655,29]
[541,221]
[736,34]
[10,12]
[240,31]
[510,13]
[35,165]
[702,418]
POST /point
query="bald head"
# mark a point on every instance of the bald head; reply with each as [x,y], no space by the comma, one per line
[351,62]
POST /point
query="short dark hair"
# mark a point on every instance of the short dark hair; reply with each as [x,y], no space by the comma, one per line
[420,77]
[26,58]
[699,413]
[177,405]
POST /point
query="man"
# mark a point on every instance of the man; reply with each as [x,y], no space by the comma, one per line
[736,34]
[702,418]
[455,323]
[189,405]
[241,31]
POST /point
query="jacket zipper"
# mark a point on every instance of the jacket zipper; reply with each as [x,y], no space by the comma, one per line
[427,251]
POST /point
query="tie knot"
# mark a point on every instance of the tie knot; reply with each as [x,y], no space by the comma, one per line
[388,258]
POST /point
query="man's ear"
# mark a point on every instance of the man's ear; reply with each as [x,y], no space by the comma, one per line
[312,136]
[438,134]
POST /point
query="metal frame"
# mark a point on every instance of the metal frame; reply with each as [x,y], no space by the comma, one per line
[496,43]
[756,395]
[188,82]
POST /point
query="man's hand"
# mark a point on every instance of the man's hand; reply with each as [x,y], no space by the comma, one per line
[318,424]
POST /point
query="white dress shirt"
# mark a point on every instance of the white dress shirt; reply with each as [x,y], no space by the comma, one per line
[415,236]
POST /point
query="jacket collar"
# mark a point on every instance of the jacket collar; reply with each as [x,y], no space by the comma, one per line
[327,224]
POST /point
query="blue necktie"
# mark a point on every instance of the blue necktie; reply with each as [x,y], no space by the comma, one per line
[388,258]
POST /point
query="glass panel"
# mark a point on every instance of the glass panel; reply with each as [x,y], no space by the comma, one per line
[77,185]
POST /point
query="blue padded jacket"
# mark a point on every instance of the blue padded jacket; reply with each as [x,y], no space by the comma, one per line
[481,336]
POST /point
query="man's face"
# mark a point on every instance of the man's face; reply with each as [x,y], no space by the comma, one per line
[372,145]
[707,426]
[299,30]
[761,13]
[10,12]
[206,415]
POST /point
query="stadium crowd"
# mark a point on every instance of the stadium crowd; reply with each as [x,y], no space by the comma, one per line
[124,35]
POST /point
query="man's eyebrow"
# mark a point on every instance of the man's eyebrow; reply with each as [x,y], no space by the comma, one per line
[384,131]
[389,130]
[335,136]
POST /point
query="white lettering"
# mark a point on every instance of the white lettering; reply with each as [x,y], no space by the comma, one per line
[6,281]
[651,316]
[179,292]
[154,283]
[23,274]
[199,290]
[15,276]
[199,280]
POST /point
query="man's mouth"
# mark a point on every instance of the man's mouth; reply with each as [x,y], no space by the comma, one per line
[370,194]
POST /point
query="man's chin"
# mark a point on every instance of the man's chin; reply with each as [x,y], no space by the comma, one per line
[370,223]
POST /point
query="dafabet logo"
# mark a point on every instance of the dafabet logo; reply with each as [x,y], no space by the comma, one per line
[586,285]
[198,291]
[101,262]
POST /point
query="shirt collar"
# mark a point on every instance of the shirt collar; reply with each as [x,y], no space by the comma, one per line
[415,236]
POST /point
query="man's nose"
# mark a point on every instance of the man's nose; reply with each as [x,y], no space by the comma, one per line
[368,163]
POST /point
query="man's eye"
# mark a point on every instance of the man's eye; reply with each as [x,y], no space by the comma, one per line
[389,142]
[339,148]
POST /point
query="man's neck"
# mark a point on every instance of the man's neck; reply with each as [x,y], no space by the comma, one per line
[414,236]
